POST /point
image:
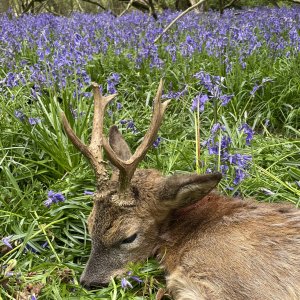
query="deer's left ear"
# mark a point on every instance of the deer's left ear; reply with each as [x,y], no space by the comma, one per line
[120,147]
[179,191]
[118,143]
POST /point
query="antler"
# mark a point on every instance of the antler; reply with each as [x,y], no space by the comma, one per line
[128,167]
[93,152]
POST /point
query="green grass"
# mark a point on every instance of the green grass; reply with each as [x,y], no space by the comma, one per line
[39,158]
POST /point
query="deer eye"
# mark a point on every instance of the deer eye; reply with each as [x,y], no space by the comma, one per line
[129,239]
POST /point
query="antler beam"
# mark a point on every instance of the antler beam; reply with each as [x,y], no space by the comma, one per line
[93,152]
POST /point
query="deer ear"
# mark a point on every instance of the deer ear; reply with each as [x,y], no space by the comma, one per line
[118,143]
[179,191]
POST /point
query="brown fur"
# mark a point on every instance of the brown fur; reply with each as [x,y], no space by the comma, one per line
[233,249]
[213,248]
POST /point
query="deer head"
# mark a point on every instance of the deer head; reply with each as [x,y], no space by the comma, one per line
[132,206]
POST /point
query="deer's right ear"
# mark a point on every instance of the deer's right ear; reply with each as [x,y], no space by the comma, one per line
[179,191]
[118,143]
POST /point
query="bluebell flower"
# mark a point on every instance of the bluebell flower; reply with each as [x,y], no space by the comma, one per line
[125,283]
[267,123]
[34,121]
[20,115]
[54,198]
[119,106]
[256,87]
[175,95]
[225,99]
[6,241]
[137,279]
[86,192]
[267,192]
[45,245]
[239,176]
[157,142]
[199,101]
[240,160]
[224,169]
[112,81]
[248,131]
[130,125]
[225,142]
[216,127]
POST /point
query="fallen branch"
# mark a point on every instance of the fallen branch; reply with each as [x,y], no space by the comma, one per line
[177,18]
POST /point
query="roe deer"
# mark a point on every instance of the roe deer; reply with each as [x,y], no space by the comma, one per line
[211,246]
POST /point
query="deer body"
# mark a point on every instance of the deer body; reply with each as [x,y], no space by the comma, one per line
[233,249]
[211,247]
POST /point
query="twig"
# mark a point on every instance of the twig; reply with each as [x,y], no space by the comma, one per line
[101,6]
[229,4]
[177,18]
[126,9]
[79,5]
[95,3]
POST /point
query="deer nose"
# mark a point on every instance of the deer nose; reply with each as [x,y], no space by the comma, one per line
[91,285]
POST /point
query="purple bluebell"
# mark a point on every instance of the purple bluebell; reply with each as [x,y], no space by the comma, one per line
[267,192]
[216,127]
[225,99]
[119,106]
[136,278]
[248,131]
[157,142]
[6,241]
[20,115]
[240,175]
[45,245]
[199,101]
[130,125]
[240,160]
[53,198]
[125,283]
[86,192]
[255,88]
[112,82]
[34,121]
[267,123]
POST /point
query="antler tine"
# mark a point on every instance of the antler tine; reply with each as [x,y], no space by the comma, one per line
[92,152]
[100,104]
[128,167]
